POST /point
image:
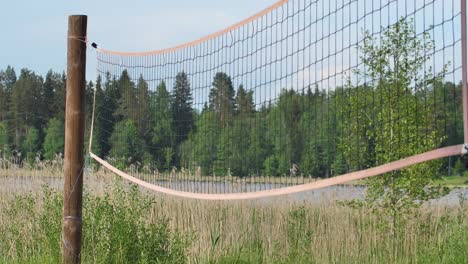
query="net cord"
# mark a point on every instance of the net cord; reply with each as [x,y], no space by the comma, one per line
[200,40]
[392,166]
[90,145]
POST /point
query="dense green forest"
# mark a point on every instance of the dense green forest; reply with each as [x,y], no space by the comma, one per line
[32,112]
[310,132]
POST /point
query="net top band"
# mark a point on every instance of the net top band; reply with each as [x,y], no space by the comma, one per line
[200,40]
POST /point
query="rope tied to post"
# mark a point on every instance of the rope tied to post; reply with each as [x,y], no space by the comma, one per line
[83,39]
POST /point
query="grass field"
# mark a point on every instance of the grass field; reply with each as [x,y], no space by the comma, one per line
[123,224]
[455,181]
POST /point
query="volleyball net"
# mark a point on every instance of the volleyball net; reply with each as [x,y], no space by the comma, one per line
[302,95]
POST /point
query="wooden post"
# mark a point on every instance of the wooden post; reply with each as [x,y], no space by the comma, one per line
[464,70]
[74,140]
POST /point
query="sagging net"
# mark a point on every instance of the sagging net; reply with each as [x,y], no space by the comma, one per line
[302,91]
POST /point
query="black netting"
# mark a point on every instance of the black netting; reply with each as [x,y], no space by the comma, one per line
[312,89]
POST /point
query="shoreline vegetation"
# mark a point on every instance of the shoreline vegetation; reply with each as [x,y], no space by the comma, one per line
[55,170]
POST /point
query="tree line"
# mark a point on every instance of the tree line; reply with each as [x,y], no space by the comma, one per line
[313,132]
[32,112]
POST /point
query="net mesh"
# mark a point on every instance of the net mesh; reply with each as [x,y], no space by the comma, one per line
[301,91]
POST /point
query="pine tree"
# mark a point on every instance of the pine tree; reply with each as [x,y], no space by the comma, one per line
[8,78]
[4,139]
[31,144]
[4,103]
[233,151]
[55,138]
[162,131]
[125,142]
[286,133]
[312,161]
[26,97]
[126,104]
[106,116]
[271,166]
[225,153]
[244,102]
[221,97]
[50,87]
[205,142]
[182,108]
[259,147]
[89,97]
[60,94]
[143,114]
[459,168]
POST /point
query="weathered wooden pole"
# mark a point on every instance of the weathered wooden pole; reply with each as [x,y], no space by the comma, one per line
[74,140]
[464,70]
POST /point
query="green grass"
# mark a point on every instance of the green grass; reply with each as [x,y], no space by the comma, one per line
[449,181]
[126,225]
[453,181]
[117,229]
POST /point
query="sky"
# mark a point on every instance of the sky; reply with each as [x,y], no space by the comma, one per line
[34,33]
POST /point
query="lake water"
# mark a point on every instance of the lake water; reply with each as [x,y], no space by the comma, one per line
[320,196]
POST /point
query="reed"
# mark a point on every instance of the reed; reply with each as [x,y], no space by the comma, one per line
[124,224]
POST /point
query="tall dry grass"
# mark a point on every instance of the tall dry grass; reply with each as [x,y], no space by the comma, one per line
[123,219]
[302,233]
